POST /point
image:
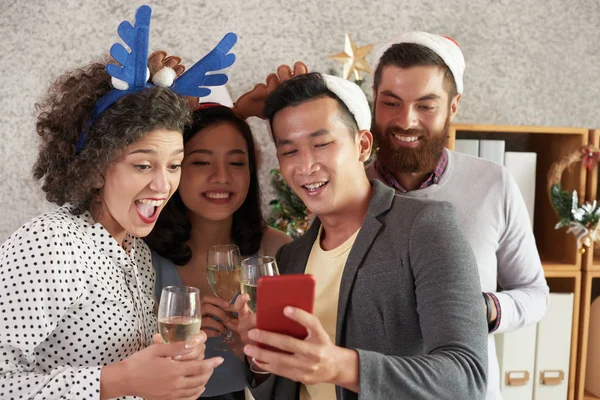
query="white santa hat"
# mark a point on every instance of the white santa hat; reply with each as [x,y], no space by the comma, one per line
[444,47]
[353,97]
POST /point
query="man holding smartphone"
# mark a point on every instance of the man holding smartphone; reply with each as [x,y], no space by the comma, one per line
[397,302]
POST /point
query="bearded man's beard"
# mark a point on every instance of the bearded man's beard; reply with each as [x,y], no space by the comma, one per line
[423,158]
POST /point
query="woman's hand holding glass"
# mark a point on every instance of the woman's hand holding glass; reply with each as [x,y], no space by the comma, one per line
[215,317]
[223,272]
[161,371]
[174,366]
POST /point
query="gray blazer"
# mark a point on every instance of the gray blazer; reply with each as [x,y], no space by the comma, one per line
[410,304]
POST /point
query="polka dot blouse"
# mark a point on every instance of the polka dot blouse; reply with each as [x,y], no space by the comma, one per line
[72,300]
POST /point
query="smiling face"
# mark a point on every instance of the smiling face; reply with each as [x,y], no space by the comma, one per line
[319,158]
[216,172]
[138,185]
[412,117]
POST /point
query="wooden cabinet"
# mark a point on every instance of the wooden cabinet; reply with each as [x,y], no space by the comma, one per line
[590,284]
[569,282]
[557,249]
[561,259]
[591,279]
[591,260]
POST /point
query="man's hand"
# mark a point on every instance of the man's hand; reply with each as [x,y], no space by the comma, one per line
[313,360]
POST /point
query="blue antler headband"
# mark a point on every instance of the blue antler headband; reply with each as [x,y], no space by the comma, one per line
[132,75]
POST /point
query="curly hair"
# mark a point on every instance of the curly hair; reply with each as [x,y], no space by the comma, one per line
[171,233]
[64,115]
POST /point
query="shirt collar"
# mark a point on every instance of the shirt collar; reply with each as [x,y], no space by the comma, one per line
[433,178]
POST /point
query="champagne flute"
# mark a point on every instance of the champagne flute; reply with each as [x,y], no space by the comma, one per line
[223,264]
[179,316]
[252,269]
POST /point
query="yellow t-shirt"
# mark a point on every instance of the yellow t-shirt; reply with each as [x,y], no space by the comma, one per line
[327,267]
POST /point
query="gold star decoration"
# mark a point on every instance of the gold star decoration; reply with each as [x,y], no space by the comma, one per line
[353,58]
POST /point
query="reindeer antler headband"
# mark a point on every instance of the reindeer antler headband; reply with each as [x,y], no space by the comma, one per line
[132,75]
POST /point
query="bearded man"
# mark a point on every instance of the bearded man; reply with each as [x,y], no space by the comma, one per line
[418,85]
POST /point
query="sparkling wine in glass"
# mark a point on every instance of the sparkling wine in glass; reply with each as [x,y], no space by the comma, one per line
[223,264]
[179,316]
[252,269]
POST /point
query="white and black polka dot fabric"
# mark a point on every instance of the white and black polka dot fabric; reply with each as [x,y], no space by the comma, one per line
[72,300]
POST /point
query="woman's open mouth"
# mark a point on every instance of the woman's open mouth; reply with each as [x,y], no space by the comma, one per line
[148,209]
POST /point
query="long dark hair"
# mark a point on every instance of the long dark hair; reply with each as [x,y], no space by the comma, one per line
[172,230]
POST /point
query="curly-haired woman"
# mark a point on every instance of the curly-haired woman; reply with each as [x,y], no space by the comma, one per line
[218,202]
[77,284]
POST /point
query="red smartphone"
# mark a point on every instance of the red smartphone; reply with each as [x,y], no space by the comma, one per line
[274,293]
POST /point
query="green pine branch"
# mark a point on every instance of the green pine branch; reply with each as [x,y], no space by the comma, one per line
[562,201]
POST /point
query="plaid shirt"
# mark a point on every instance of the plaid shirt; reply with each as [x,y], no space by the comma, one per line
[434,177]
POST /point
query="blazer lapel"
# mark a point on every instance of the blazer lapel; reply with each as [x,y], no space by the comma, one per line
[381,201]
[361,247]
[302,249]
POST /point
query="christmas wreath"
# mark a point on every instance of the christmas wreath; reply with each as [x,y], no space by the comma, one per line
[581,219]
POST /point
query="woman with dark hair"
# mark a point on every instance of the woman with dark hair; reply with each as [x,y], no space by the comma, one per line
[77,283]
[218,202]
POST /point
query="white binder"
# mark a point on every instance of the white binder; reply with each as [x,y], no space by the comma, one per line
[553,349]
[492,150]
[516,359]
[467,146]
[522,166]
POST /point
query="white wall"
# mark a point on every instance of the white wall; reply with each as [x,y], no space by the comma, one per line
[529,62]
